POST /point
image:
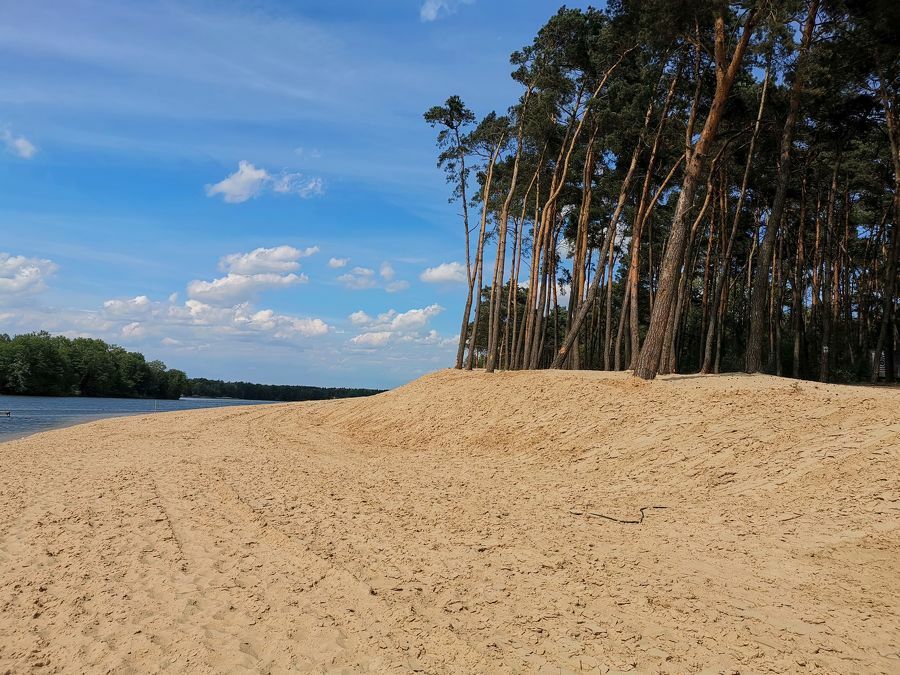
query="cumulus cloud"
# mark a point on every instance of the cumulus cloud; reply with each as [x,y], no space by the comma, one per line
[249,182]
[359,278]
[133,330]
[337,263]
[432,10]
[247,274]
[372,339]
[208,312]
[388,274]
[415,318]
[233,287]
[170,318]
[445,273]
[134,307]
[20,275]
[393,326]
[360,318]
[18,145]
[245,183]
[279,325]
[262,260]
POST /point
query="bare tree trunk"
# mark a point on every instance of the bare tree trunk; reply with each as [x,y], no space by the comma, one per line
[577,322]
[825,357]
[475,281]
[649,361]
[645,208]
[885,334]
[777,302]
[798,283]
[626,302]
[461,348]
[581,240]
[635,282]
[493,346]
[761,277]
[607,323]
[726,261]
[723,311]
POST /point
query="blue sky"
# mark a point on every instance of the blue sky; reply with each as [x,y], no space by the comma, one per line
[245,190]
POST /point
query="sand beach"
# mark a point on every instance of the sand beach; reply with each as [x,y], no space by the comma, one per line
[516,522]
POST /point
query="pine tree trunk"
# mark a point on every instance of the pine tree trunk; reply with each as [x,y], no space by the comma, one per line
[608,243]
[722,272]
[475,282]
[493,346]
[649,361]
[761,276]
[885,343]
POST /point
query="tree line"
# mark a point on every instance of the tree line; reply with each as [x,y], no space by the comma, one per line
[270,392]
[40,364]
[687,187]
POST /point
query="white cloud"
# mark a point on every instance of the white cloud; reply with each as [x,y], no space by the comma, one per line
[233,287]
[358,278]
[279,325]
[360,318]
[432,10]
[137,306]
[396,286]
[203,321]
[415,318]
[392,285]
[22,276]
[18,145]
[445,273]
[240,319]
[361,278]
[249,181]
[337,263]
[261,260]
[372,339]
[133,330]
[243,184]
[392,326]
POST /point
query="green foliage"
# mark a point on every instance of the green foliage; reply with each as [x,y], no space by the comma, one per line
[40,364]
[452,119]
[270,392]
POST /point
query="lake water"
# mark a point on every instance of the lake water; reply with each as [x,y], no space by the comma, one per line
[31,414]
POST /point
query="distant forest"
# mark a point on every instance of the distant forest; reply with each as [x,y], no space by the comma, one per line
[687,186]
[40,364]
[270,392]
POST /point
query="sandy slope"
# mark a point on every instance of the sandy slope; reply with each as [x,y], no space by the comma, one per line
[444,527]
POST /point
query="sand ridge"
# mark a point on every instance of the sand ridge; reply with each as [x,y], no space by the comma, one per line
[465,523]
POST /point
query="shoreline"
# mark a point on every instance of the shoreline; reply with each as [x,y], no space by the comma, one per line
[36,414]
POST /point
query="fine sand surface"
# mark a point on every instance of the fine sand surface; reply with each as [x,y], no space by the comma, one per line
[446,527]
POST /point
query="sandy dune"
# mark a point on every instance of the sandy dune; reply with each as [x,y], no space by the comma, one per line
[456,525]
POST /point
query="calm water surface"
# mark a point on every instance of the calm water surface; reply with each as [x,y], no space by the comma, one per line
[30,414]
